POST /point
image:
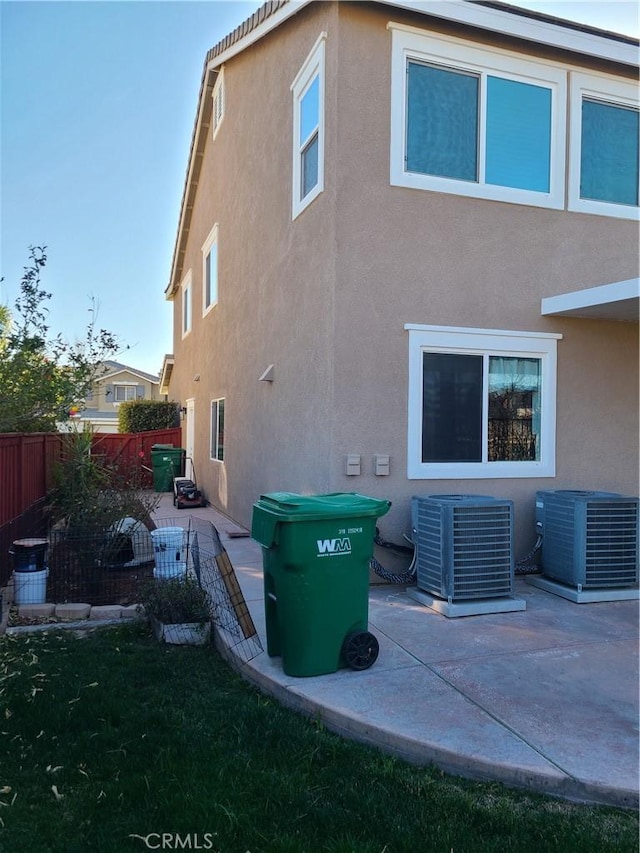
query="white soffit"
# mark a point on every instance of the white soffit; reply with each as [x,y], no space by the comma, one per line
[617,301]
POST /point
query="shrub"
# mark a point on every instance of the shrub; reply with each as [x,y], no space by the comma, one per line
[143,415]
[176,601]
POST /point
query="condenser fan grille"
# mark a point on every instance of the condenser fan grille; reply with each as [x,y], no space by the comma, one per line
[481,552]
[590,539]
[611,545]
[464,546]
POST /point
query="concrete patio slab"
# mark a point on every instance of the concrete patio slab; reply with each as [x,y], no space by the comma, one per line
[544,698]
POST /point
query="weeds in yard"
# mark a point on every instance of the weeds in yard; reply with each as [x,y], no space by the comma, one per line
[109,740]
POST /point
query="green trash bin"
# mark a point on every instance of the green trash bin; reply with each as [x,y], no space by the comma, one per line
[167,462]
[316,554]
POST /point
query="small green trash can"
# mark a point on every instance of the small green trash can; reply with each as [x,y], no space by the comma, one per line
[167,462]
[316,554]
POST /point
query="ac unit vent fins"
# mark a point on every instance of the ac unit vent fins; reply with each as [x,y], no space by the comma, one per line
[589,538]
[464,546]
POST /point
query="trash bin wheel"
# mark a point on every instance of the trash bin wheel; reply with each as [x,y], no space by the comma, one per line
[360,650]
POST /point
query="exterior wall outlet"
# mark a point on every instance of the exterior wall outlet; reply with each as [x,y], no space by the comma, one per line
[352,464]
[381,464]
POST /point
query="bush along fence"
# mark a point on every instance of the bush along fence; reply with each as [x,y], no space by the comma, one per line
[31,481]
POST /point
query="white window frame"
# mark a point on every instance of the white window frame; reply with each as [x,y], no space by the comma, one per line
[214,436]
[454,54]
[468,341]
[212,239]
[186,304]
[314,66]
[218,96]
[126,386]
[613,91]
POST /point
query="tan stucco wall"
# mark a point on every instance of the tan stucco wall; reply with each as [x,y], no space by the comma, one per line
[275,286]
[410,256]
[325,298]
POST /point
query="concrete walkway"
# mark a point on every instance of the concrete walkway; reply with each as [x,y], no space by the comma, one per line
[545,698]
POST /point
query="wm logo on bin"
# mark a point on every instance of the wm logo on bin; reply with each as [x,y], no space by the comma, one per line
[329,547]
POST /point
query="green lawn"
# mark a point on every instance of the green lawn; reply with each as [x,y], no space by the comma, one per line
[108,737]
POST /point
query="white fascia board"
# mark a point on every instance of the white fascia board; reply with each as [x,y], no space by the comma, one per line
[258,32]
[603,294]
[531,29]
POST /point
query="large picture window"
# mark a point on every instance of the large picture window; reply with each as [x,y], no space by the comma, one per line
[481,403]
[476,122]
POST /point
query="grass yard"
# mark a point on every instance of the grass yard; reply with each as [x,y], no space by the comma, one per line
[108,738]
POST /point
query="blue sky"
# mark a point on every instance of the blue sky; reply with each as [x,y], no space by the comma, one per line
[97,107]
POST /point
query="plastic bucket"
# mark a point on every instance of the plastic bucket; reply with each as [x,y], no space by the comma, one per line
[30,587]
[169,552]
[29,555]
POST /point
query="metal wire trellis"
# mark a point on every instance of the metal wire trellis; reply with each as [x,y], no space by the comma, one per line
[208,560]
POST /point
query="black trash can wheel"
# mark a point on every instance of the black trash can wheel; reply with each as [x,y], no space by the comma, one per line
[360,649]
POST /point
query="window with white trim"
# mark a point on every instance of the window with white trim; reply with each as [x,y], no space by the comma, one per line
[605,125]
[308,129]
[218,103]
[186,302]
[210,271]
[125,393]
[482,403]
[216,452]
[475,121]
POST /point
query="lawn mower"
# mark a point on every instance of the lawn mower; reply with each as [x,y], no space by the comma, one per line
[186,493]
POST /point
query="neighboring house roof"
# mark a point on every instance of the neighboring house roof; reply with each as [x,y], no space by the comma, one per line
[112,368]
[498,17]
[167,370]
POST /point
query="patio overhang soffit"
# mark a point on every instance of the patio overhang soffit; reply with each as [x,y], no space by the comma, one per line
[617,301]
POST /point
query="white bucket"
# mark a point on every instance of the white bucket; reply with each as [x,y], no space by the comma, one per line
[30,587]
[169,551]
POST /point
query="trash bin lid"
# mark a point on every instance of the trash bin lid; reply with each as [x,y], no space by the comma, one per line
[289,506]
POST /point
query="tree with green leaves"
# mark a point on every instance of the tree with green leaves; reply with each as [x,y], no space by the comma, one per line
[41,375]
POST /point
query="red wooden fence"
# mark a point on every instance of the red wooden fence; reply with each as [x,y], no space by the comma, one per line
[27,462]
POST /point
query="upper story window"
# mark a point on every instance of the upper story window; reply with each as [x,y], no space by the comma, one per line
[218,103]
[605,127]
[476,122]
[124,393]
[186,300]
[481,403]
[210,271]
[308,129]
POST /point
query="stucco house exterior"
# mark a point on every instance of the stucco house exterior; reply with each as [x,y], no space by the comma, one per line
[407,258]
[115,384]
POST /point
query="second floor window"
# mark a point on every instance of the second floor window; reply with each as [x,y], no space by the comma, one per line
[308,129]
[210,270]
[186,304]
[605,129]
[472,121]
[124,393]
